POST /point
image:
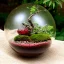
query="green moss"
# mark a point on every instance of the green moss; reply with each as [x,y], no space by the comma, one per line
[22,38]
[39,37]
[34,37]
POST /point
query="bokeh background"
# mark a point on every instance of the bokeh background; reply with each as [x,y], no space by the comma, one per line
[57,11]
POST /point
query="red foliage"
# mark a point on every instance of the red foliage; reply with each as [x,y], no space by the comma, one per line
[23,32]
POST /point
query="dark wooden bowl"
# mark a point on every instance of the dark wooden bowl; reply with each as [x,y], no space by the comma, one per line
[30,49]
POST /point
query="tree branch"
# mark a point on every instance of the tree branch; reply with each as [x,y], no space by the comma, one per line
[33,14]
[29,19]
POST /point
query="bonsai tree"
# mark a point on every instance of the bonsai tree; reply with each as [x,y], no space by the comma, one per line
[34,32]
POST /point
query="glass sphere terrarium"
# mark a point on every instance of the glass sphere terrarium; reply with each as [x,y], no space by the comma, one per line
[29,29]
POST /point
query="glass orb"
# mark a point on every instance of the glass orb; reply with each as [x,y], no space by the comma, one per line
[29,29]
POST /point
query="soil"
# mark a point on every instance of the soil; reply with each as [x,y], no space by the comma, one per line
[30,44]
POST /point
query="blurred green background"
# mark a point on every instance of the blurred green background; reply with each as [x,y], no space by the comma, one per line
[55,7]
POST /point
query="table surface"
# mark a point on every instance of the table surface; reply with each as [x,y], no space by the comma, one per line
[55,54]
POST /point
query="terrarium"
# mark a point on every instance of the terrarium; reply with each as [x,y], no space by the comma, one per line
[29,29]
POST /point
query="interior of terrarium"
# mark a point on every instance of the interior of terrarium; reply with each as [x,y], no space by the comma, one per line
[31,30]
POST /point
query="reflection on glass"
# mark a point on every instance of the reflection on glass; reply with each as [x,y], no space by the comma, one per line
[39,20]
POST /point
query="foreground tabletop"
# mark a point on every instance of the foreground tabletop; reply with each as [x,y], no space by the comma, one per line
[55,54]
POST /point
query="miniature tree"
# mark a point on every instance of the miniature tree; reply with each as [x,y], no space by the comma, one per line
[31,32]
[29,28]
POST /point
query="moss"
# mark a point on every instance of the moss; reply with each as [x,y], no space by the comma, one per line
[33,37]
[22,38]
[39,37]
